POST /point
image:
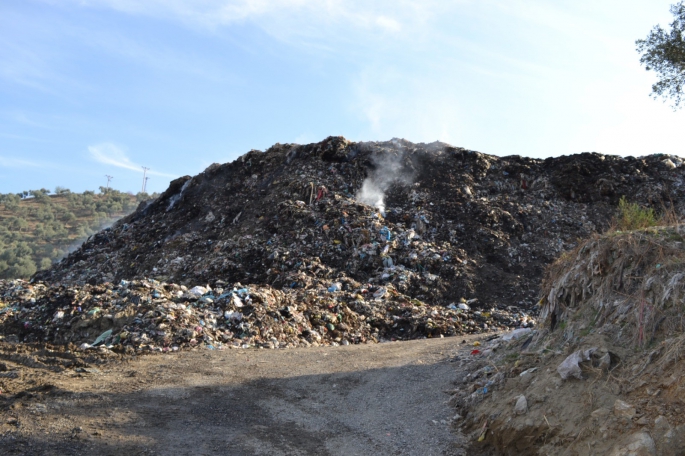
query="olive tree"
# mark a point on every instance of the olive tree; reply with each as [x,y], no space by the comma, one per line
[663,51]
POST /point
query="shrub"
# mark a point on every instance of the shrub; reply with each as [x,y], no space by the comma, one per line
[45,263]
[631,216]
[23,268]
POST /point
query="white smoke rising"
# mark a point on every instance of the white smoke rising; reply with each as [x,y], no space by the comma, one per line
[390,169]
[372,194]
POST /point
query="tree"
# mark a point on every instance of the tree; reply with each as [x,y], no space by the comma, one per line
[664,52]
[11,202]
[68,217]
[22,249]
[17,223]
[41,195]
[40,232]
[82,231]
[23,268]
[45,215]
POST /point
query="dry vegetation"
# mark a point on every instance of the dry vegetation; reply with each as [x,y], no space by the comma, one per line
[632,275]
[619,298]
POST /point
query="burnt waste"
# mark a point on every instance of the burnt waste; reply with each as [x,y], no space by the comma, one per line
[336,242]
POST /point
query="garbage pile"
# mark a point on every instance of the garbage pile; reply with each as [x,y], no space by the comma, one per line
[400,233]
[602,373]
[146,315]
[438,223]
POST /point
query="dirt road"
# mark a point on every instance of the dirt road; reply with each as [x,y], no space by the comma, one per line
[386,399]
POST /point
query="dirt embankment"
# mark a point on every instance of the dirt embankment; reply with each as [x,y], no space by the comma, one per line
[603,373]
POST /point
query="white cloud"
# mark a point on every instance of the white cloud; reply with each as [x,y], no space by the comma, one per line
[113,155]
[388,23]
[425,112]
[291,14]
[109,154]
[9,162]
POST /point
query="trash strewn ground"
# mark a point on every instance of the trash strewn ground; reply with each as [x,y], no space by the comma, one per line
[145,315]
[603,372]
[342,243]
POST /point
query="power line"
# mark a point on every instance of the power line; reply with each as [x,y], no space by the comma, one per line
[109,178]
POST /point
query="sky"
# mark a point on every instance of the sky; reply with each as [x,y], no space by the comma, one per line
[90,88]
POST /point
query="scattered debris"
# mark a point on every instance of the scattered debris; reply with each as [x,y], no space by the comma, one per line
[156,316]
[623,409]
[571,365]
[521,407]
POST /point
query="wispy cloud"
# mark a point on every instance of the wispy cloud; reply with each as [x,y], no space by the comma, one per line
[390,116]
[113,155]
[388,23]
[213,14]
[9,162]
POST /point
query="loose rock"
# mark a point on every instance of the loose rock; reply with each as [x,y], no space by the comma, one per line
[623,409]
[521,407]
[637,444]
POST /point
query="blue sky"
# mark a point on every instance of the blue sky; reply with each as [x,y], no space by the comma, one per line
[96,87]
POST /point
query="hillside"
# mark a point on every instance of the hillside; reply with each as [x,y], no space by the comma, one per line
[38,228]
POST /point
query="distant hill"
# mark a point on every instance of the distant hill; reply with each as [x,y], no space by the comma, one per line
[38,228]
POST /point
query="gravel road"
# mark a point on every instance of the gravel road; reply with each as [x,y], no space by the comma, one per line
[386,399]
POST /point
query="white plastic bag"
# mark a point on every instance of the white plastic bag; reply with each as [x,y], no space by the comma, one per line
[515,334]
[570,367]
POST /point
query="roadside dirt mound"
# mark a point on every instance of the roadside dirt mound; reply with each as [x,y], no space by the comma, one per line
[603,373]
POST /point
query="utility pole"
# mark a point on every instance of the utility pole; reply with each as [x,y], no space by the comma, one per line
[145,184]
[109,178]
[145,170]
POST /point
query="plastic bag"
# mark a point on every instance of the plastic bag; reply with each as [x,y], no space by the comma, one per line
[570,367]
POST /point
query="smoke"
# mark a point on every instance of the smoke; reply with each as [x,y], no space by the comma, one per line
[390,168]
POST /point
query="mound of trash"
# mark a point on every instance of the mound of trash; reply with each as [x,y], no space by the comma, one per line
[335,242]
[146,315]
[602,374]
[440,224]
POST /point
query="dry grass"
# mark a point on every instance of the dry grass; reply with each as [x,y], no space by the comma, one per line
[634,280]
[673,351]
[632,216]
